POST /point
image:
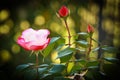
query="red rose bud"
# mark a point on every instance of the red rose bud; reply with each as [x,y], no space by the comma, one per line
[90,29]
[63,11]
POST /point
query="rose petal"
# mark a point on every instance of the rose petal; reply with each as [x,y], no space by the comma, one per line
[28,35]
[34,39]
[63,11]
[22,43]
[40,47]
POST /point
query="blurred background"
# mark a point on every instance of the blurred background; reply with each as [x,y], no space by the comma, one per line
[18,15]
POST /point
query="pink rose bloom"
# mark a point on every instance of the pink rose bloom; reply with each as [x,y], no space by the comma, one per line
[90,29]
[34,39]
[63,11]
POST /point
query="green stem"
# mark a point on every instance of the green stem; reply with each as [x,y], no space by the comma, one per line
[69,35]
[43,56]
[37,63]
[89,49]
[69,40]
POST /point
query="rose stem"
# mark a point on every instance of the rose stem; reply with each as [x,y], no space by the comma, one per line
[89,49]
[69,41]
[37,61]
[69,35]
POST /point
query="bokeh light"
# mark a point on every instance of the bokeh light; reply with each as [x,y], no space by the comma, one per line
[15,48]
[24,25]
[4,29]
[39,20]
[5,56]
[4,14]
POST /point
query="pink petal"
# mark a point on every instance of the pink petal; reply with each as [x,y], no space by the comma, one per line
[22,43]
[28,35]
[40,47]
[34,39]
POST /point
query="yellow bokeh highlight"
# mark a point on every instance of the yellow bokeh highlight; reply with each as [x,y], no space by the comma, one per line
[71,22]
[4,29]
[94,8]
[39,20]
[4,14]
[54,56]
[5,55]
[108,26]
[87,16]
[15,48]
[24,25]
[56,27]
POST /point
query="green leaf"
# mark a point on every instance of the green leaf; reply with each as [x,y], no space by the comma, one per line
[45,76]
[65,58]
[96,41]
[82,61]
[92,64]
[83,43]
[57,68]
[42,70]
[96,49]
[54,39]
[92,67]
[83,34]
[60,43]
[113,60]
[109,49]
[53,42]
[65,52]
[77,67]
[44,65]
[23,66]
[48,49]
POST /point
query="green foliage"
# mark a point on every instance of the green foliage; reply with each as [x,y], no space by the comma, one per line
[83,43]
[57,71]
[53,42]
[23,67]
[57,68]
[109,49]
[92,64]
[65,54]
[113,60]
[83,35]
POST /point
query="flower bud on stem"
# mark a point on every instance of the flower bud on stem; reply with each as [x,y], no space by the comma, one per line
[89,49]
[90,31]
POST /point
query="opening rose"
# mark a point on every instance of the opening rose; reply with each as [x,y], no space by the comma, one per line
[63,11]
[34,39]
